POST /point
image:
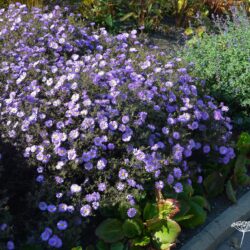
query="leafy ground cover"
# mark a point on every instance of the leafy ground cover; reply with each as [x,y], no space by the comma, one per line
[106,142]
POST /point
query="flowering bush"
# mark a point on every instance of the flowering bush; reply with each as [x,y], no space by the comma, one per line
[100,117]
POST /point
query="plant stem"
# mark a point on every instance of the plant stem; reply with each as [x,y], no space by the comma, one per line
[243,234]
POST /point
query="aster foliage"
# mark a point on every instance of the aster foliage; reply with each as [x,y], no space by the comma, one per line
[100,117]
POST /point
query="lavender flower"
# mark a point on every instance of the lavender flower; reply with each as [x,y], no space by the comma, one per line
[131,212]
[85,210]
[62,225]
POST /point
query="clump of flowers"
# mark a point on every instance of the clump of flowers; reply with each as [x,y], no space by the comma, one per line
[100,117]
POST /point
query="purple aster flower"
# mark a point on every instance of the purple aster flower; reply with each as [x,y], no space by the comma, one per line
[187,152]
[73,134]
[111,146]
[139,154]
[170,179]
[3,227]
[70,209]
[223,150]
[226,160]
[45,235]
[218,115]
[206,149]
[85,210]
[95,205]
[62,225]
[88,166]
[51,208]
[159,185]
[102,187]
[131,182]
[103,125]
[101,164]
[61,151]
[176,135]
[53,241]
[72,154]
[62,207]
[177,173]
[42,206]
[120,186]
[126,137]
[205,115]
[10,245]
[165,131]
[131,212]
[125,119]
[178,187]
[75,188]
[171,121]
[193,126]
[197,145]
[184,118]
[40,178]
[199,179]
[123,174]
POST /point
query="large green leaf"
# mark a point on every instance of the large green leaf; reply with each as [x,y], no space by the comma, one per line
[142,242]
[202,201]
[214,184]
[110,230]
[117,246]
[166,235]
[199,216]
[150,211]
[132,228]
[240,164]
[230,192]
[101,245]
[243,179]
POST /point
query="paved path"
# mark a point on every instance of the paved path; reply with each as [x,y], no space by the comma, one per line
[219,231]
[233,242]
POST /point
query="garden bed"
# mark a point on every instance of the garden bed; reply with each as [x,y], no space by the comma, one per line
[116,143]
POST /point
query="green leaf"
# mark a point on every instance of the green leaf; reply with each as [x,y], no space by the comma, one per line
[240,164]
[132,228]
[166,235]
[243,143]
[154,224]
[179,218]
[202,201]
[181,5]
[230,192]
[109,21]
[199,216]
[127,16]
[214,184]
[101,245]
[110,230]
[150,211]
[243,179]
[117,246]
[142,242]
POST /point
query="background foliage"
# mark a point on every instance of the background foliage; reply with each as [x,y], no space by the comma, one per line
[222,58]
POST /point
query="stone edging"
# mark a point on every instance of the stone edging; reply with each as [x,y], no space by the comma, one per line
[220,228]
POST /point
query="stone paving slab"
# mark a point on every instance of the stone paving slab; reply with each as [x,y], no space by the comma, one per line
[233,242]
[219,230]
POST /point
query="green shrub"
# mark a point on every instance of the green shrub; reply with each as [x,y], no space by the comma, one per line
[115,14]
[223,59]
